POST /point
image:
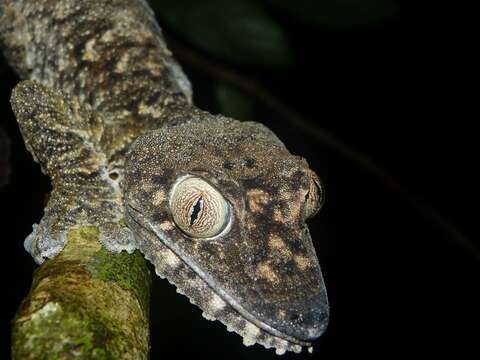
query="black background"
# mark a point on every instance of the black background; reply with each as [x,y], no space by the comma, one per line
[399,90]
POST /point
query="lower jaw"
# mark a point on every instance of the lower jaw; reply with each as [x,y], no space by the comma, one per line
[215,308]
[170,266]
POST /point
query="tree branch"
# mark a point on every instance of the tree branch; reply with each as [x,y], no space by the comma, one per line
[86,303]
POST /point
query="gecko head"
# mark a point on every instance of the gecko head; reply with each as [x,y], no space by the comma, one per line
[219,207]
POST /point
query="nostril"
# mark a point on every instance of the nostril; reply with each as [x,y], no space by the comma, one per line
[309,324]
[318,316]
[304,318]
[322,317]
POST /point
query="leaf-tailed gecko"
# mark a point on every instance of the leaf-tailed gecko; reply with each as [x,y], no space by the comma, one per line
[218,206]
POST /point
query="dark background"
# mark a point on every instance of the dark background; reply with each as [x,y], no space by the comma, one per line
[390,79]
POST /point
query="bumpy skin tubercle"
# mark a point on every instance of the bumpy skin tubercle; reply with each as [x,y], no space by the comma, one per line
[110,54]
[64,138]
[110,57]
[103,77]
[260,276]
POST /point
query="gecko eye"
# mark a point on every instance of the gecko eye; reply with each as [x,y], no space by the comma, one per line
[198,209]
[315,196]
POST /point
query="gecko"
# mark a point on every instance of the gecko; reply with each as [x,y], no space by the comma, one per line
[218,206]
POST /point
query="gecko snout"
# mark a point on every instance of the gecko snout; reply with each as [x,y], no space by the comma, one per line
[314,324]
[308,320]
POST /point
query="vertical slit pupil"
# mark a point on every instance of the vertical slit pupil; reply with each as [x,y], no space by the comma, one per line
[196,210]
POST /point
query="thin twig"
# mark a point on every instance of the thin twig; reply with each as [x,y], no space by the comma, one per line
[261,94]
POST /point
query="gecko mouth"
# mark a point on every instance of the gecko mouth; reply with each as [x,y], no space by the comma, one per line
[200,288]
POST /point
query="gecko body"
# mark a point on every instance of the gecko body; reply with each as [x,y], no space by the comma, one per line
[217,205]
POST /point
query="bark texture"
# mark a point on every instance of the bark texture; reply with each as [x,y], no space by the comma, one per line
[86,303]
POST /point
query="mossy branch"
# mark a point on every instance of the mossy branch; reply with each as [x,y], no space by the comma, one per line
[86,303]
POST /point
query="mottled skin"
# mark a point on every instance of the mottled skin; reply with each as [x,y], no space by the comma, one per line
[261,277]
[98,50]
[265,265]
[64,138]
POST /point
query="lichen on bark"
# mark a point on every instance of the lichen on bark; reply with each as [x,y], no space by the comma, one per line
[85,304]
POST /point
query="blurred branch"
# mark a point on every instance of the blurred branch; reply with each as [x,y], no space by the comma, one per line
[261,94]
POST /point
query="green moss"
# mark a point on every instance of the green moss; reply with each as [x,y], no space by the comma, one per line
[86,303]
[129,271]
